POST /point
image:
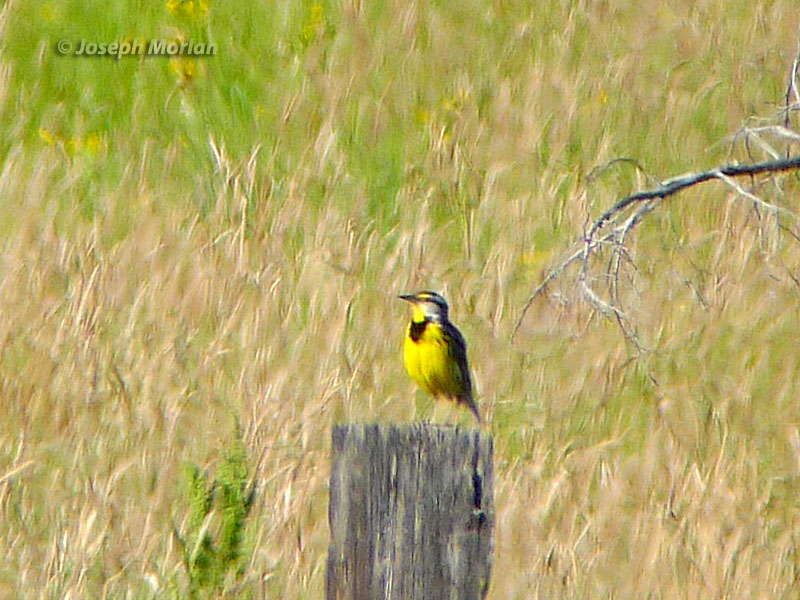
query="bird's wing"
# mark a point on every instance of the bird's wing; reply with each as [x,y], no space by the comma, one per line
[460,355]
[459,350]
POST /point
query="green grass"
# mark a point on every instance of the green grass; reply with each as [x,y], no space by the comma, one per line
[189,244]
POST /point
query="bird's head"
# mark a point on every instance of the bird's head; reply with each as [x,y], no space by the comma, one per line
[428,306]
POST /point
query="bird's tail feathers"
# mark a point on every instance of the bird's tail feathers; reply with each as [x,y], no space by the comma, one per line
[470,402]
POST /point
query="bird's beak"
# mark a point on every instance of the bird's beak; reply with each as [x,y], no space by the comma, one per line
[408,297]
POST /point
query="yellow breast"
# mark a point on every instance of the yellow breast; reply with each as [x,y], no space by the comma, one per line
[430,362]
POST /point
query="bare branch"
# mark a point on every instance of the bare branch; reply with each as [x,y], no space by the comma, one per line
[610,228]
[765,205]
[676,184]
[648,201]
[776,130]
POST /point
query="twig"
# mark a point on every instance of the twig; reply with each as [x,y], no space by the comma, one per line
[676,184]
[649,199]
[791,89]
[601,169]
[756,200]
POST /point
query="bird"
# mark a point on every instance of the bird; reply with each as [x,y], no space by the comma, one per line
[435,352]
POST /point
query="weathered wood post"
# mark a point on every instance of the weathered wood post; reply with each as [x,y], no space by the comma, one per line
[411,513]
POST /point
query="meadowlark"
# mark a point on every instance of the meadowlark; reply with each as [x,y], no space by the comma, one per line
[435,352]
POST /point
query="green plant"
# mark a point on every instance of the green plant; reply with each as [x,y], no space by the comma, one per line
[213,545]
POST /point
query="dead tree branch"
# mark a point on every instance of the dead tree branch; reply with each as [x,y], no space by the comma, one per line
[612,228]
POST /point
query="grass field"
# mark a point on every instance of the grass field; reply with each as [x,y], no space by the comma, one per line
[200,257]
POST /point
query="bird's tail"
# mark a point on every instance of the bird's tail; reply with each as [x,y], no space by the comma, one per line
[470,402]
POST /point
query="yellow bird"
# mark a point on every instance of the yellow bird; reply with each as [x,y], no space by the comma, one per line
[435,352]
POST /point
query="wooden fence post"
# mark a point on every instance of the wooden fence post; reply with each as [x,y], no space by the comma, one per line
[411,513]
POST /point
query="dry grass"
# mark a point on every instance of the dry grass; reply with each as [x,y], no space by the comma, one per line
[179,255]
